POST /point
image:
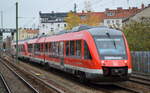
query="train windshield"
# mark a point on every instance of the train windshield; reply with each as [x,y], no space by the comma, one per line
[111,47]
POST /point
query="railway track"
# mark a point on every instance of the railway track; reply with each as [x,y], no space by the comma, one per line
[29,86]
[128,89]
[109,89]
[5,87]
[46,87]
[140,79]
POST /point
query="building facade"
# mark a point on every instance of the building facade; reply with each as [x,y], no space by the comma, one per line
[25,33]
[114,18]
[52,23]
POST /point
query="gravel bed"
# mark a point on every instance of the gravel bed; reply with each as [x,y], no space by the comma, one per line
[140,87]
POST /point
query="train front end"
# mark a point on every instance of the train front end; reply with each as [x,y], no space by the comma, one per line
[114,54]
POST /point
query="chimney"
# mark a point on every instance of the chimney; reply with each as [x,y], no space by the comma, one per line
[129,8]
[142,6]
[52,12]
[106,9]
[119,8]
[82,11]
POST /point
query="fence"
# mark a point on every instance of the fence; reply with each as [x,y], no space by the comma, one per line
[141,62]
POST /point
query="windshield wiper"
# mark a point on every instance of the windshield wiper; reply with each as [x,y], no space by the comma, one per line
[112,39]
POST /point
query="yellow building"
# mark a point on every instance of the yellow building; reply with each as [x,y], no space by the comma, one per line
[26,33]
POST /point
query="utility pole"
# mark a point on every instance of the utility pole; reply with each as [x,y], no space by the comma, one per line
[17,32]
[2,19]
[1,33]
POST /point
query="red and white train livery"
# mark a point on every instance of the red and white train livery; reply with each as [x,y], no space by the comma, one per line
[98,53]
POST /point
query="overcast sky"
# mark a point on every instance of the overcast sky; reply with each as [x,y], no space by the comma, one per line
[29,9]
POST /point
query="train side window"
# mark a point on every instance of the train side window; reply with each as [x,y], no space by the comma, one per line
[54,49]
[57,49]
[61,48]
[50,49]
[72,47]
[87,54]
[22,48]
[46,48]
[41,48]
[30,48]
[67,48]
[78,48]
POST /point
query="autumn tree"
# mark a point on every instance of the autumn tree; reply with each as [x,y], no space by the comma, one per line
[72,20]
[91,19]
[138,35]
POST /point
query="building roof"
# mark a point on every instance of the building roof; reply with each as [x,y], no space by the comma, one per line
[98,14]
[31,31]
[121,13]
[128,18]
[52,15]
[113,13]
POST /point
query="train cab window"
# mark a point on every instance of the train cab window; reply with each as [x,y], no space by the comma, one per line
[72,48]
[78,48]
[67,48]
[87,54]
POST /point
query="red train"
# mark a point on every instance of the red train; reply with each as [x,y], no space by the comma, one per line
[95,53]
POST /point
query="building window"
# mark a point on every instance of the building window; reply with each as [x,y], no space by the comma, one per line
[108,21]
[43,25]
[110,14]
[113,21]
[52,29]
[58,25]
[117,21]
[65,25]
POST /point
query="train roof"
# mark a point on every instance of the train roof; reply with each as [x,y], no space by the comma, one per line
[103,30]
[76,33]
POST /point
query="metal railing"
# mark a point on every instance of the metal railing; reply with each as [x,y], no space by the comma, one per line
[141,62]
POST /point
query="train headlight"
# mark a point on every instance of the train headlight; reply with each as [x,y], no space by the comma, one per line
[103,63]
[125,61]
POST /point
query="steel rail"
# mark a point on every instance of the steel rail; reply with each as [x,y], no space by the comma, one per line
[128,89]
[43,81]
[5,83]
[140,81]
[22,79]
